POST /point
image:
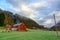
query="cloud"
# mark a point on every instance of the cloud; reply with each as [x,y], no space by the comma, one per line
[49,21]
[27,9]
[39,4]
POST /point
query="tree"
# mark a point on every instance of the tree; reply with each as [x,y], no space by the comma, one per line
[2,17]
[8,18]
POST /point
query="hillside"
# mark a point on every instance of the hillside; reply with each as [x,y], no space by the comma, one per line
[29,22]
[13,19]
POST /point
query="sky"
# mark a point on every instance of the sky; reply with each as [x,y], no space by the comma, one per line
[40,11]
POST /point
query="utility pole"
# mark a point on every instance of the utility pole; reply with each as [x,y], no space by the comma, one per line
[55,24]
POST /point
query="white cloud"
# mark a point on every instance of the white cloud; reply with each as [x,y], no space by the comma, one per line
[57,13]
[26,9]
[39,4]
[49,21]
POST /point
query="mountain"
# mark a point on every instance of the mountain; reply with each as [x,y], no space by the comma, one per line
[11,19]
[56,27]
[29,22]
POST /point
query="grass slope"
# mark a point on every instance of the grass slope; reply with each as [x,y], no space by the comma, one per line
[30,35]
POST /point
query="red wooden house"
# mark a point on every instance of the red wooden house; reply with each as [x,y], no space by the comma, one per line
[19,27]
[22,27]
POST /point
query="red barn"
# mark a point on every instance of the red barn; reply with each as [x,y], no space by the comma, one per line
[22,27]
[19,27]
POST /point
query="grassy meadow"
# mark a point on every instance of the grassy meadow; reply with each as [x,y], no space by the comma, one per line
[29,35]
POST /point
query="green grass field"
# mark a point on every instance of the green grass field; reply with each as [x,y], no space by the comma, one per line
[29,35]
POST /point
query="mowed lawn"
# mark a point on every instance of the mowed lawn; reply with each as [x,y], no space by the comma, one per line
[29,35]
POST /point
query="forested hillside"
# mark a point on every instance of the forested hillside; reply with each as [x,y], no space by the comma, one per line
[7,17]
